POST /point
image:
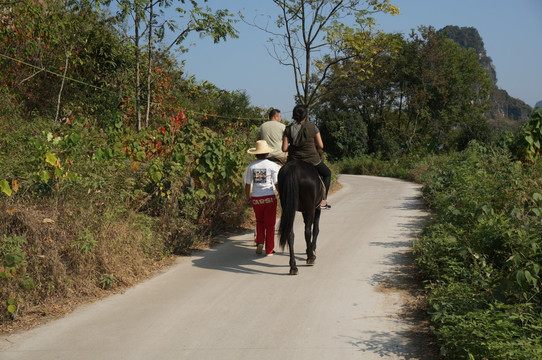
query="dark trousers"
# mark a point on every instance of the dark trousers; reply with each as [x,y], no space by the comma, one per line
[325,173]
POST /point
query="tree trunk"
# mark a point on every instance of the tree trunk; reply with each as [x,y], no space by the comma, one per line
[62,86]
[149,67]
[138,89]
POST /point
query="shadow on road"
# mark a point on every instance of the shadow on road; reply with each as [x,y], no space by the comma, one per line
[237,254]
[403,278]
[391,345]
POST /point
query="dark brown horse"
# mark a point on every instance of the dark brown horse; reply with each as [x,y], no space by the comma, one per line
[300,189]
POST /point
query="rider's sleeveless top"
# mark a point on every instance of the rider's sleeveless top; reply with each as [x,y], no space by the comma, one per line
[302,145]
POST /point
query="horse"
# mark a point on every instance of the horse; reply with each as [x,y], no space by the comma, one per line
[300,189]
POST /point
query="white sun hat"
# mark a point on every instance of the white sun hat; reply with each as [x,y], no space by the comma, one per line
[261,148]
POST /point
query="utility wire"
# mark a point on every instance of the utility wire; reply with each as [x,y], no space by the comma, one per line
[60,75]
[111,91]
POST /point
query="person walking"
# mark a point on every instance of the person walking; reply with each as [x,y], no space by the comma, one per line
[302,141]
[271,131]
[260,185]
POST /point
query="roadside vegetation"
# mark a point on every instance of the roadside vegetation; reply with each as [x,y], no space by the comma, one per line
[480,256]
[88,203]
[103,179]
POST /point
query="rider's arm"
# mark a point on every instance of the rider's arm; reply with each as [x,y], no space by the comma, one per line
[318,141]
[285,144]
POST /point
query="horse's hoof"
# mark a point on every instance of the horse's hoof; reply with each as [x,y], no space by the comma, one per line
[311,261]
[293,271]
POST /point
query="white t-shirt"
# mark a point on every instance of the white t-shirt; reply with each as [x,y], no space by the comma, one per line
[263,175]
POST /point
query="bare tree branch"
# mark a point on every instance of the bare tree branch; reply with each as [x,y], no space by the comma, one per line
[30,77]
[62,85]
[309,33]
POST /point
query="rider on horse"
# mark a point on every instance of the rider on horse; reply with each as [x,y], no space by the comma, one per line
[271,131]
[302,141]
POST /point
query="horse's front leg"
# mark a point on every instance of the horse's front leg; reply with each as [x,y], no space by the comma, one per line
[316,229]
[293,266]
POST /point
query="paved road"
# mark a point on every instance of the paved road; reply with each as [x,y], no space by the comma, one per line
[229,303]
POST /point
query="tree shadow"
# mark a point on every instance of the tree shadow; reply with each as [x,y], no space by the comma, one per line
[392,345]
[403,277]
[414,202]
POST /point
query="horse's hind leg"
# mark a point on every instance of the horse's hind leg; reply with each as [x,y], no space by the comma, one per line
[311,256]
[293,266]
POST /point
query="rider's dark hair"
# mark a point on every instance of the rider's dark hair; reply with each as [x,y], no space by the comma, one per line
[300,112]
[273,112]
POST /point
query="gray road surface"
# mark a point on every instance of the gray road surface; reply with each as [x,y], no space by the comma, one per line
[229,303]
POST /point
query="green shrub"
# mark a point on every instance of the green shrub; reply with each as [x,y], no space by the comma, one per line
[500,332]
[528,142]
[408,167]
[481,255]
[385,145]
[13,275]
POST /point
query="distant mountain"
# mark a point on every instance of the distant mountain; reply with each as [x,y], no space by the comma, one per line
[538,104]
[468,37]
[506,111]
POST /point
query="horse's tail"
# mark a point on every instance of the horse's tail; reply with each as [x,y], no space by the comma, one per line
[289,197]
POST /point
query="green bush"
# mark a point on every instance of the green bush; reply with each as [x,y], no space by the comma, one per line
[385,145]
[500,332]
[528,142]
[481,255]
[410,167]
[13,275]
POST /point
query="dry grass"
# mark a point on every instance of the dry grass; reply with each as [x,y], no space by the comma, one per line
[72,259]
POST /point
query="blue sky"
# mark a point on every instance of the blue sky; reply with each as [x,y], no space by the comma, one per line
[511,30]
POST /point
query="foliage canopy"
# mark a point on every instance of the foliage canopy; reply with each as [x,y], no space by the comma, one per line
[424,90]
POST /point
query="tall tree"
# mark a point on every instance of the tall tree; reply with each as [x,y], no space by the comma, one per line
[146,15]
[56,54]
[362,89]
[149,62]
[422,89]
[308,38]
[445,86]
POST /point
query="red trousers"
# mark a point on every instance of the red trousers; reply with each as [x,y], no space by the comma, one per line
[265,209]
